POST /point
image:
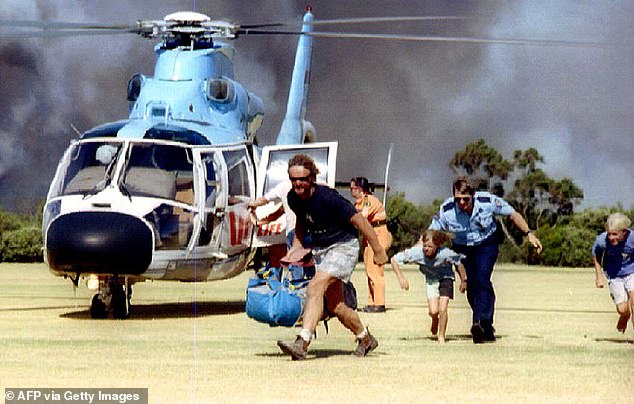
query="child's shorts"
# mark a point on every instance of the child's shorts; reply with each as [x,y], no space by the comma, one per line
[620,288]
[443,287]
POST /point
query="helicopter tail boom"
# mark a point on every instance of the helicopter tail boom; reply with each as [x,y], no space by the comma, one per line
[292,130]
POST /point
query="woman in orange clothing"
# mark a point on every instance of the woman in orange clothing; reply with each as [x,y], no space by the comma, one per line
[370,207]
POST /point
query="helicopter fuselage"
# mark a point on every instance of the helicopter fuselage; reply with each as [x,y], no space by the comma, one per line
[161,195]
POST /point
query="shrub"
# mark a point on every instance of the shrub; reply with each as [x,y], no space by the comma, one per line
[9,222]
[22,245]
[566,246]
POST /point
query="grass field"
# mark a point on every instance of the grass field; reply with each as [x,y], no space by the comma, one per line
[557,343]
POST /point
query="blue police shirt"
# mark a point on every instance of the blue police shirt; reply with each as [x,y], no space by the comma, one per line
[617,261]
[434,268]
[474,229]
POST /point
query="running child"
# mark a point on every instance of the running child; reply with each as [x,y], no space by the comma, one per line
[613,256]
[437,262]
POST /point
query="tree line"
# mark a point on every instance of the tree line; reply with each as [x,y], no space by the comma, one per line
[547,204]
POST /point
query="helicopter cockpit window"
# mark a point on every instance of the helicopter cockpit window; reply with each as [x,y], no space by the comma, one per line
[160,171]
[238,178]
[89,167]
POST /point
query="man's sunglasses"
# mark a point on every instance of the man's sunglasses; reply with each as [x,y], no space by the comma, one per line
[465,199]
[302,179]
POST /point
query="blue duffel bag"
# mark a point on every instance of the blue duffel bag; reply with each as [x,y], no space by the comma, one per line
[273,302]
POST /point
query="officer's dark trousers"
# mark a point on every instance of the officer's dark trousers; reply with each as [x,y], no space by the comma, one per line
[479,266]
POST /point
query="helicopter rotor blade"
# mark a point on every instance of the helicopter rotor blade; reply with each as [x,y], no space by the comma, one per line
[39,29]
[57,34]
[473,40]
[272,24]
[365,20]
[250,29]
[447,39]
[243,31]
[59,25]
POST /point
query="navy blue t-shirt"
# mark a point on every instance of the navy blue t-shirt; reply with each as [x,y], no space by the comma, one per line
[325,217]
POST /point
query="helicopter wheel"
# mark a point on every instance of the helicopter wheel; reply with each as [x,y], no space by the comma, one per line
[120,301]
[98,309]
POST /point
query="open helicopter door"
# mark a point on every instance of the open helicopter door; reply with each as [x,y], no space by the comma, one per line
[273,172]
[228,183]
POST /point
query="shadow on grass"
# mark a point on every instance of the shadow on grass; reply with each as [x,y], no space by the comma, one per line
[615,340]
[458,337]
[9,309]
[320,354]
[171,310]
[448,338]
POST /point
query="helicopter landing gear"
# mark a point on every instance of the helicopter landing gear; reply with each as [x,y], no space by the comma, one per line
[121,294]
[114,295]
[98,309]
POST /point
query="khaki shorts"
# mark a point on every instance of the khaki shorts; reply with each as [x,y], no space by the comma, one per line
[438,288]
[620,288]
[337,260]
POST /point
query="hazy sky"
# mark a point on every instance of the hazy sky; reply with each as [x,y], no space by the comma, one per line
[575,105]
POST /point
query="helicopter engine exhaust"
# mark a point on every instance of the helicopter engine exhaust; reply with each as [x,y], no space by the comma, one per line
[99,242]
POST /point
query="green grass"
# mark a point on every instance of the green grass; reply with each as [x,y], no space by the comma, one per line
[557,343]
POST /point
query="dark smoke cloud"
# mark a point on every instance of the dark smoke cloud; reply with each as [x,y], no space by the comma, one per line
[573,104]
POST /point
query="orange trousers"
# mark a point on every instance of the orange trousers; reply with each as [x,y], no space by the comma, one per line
[376,277]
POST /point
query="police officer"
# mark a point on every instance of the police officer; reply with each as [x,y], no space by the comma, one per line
[470,215]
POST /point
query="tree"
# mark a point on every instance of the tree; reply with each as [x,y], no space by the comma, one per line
[482,164]
[538,197]
[541,199]
[413,220]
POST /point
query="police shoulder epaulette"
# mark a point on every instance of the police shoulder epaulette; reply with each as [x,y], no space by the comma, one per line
[485,199]
[448,206]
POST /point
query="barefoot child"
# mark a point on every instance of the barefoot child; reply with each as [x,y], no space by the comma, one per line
[613,256]
[437,262]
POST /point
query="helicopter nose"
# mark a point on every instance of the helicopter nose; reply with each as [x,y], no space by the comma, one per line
[99,242]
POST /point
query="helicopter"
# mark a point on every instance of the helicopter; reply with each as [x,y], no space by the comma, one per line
[162,195]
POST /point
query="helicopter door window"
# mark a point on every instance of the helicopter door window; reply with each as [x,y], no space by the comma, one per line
[238,176]
[211,184]
[212,202]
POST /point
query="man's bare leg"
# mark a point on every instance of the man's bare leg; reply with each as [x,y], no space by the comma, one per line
[315,292]
[350,319]
[346,315]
